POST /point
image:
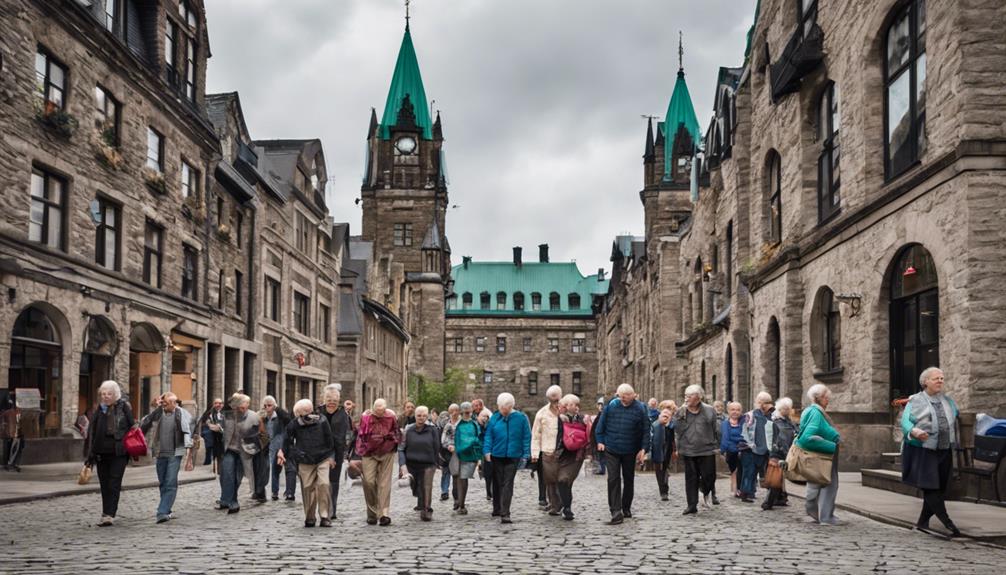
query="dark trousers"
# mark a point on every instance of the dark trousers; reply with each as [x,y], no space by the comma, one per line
[333,479]
[489,476]
[754,467]
[661,470]
[540,470]
[422,476]
[933,500]
[776,497]
[208,443]
[700,473]
[260,467]
[621,481]
[111,468]
[504,471]
[13,452]
[289,471]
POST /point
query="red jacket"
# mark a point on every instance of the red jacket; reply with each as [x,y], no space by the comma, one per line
[378,436]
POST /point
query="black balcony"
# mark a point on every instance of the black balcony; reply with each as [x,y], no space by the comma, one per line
[802,55]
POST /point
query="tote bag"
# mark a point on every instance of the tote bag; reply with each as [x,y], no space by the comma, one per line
[135,443]
[808,466]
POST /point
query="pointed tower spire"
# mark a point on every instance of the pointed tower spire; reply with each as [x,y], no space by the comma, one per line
[372,130]
[680,114]
[406,81]
[681,52]
[648,153]
[438,129]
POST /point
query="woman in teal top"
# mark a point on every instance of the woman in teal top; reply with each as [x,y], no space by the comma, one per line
[817,434]
[928,423]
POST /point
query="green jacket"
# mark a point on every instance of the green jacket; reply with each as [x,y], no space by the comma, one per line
[816,433]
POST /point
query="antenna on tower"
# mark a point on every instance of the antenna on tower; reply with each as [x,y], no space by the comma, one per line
[407,2]
[681,49]
[649,117]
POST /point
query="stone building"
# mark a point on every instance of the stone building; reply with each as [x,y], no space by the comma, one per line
[106,158]
[522,326]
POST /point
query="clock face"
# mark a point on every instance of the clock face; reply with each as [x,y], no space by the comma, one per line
[405,145]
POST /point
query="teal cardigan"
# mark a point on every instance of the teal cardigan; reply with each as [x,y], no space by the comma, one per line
[816,433]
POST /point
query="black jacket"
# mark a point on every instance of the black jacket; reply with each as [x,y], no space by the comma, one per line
[122,422]
[308,440]
[420,447]
[341,425]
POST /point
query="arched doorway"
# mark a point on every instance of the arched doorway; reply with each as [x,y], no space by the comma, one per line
[915,319]
[100,345]
[36,360]
[773,359]
[146,345]
[728,363]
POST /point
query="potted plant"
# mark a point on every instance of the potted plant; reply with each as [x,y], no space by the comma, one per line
[194,209]
[56,118]
[155,181]
[106,150]
[224,232]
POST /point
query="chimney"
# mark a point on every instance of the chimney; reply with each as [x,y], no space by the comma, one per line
[466,260]
[543,253]
[516,256]
[600,274]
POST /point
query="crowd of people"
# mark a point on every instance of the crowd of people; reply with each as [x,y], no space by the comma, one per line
[314,443]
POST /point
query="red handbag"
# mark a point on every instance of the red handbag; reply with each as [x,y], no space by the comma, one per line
[135,443]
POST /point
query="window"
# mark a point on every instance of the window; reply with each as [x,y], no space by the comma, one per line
[190,69]
[106,118]
[728,255]
[222,293]
[170,52]
[111,14]
[301,313]
[456,344]
[187,13]
[828,173]
[272,298]
[466,300]
[518,301]
[155,150]
[48,199]
[403,235]
[480,344]
[239,224]
[325,323]
[501,300]
[106,241]
[553,345]
[536,301]
[239,284]
[50,79]
[915,319]
[807,11]
[574,301]
[302,231]
[487,377]
[484,300]
[826,332]
[527,344]
[577,382]
[553,301]
[579,344]
[905,89]
[500,344]
[532,383]
[554,378]
[270,383]
[774,182]
[190,181]
[153,238]
[221,213]
[190,272]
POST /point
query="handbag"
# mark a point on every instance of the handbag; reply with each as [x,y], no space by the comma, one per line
[773,475]
[135,443]
[84,477]
[808,466]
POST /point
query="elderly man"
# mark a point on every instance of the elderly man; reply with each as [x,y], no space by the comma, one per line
[449,420]
[698,437]
[408,415]
[170,441]
[544,440]
[308,441]
[377,443]
[240,434]
[333,413]
[276,420]
[757,434]
[623,435]
[507,444]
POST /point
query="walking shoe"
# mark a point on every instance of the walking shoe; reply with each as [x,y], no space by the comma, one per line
[954,531]
[426,516]
[275,497]
[690,511]
[291,498]
[705,500]
[627,514]
[554,513]
[496,513]
[444,496]
[106,520]
[371,521]
[308,523]
[664,498]
[220,506]
[567,514]
[505,519]
[831,522]
[384,521]
[617,519]
[456,506]
[747,499]
[417,508]
[766,507]
[543,502]
[716,500]
[462,510]
[233,510]
[162,518]
[325,523]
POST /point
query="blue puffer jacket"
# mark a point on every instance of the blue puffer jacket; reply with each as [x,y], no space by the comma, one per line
[624,430]
[508,436]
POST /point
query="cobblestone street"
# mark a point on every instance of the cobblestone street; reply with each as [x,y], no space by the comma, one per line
[59,536]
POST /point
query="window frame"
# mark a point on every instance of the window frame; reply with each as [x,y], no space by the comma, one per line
[500,301]
[480,344]
[774,183]
[527,344]
[274,298]
[149,252]
[535,301]
[554,302]
[487,377]
[577,382]
[44,91]
[518,301]
[466,300]
[578,345]
[501,344]
[532,383]
[48,206]
[102,120]
[324,322]
[573,301]
[402,235]
[239,279]
[829,199]
[918,119]
[190,285]
[553,345]
[485,301]
[101,233]
[159,162]
[189,188]
[301,313]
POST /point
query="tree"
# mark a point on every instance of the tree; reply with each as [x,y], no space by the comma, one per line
[438,395]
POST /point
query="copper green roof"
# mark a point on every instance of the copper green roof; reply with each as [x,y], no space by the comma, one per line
[562,278]
[407,81]
[679,112]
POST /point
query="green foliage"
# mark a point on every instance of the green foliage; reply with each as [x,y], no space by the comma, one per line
[438,395]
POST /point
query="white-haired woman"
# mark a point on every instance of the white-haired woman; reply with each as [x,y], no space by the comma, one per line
[544,436]
[103,447]
[818,434]
[757,433]
[697,432]
[464,440]
[784,431]
[731,437]
[572,442]
[418,453]
[929,424]
[241,444]
[507,443]
[308,441]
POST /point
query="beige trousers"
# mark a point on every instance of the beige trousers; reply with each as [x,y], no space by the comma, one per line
[377,483]
[315,489]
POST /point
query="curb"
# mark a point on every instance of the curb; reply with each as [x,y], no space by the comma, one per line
[93,488]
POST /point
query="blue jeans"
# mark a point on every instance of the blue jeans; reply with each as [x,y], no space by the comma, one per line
[445,481]
[167,479]
[289,470]
[753,466]
[231,472]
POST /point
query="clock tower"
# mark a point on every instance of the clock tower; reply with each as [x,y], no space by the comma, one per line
[404,197]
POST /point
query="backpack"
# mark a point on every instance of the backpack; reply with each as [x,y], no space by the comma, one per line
[575,435]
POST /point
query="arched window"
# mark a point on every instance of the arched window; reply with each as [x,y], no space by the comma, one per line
[773,183]
[829,181]
[905,88]
[915,318]
[574,301]
[826,332]
[500,300]
[36,354]
[518,301]
[773,359]
[484,300]
[535,301]
[553,301]
[466,300]
[728,364]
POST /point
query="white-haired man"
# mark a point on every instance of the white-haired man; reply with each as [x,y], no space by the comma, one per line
[698,437]
[506,443]
[171,441]
[240,433]
[276,419]
[377,443]
[308,442]
[757,434]
[334,413]
[544,440]
[623,435]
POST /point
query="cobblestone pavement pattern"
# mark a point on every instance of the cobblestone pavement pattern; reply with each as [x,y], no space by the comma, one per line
[60,536]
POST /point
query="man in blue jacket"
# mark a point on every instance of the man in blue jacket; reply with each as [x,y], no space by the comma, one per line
[623,434]
[507,444]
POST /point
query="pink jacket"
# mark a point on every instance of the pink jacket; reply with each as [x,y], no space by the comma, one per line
[378,436]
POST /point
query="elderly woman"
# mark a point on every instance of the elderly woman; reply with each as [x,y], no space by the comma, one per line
[572,443]
[103,446]
[662,448]
[418,453]
[464,440]
[731,438]
[240,432]
[818,435]
[449,419]
[544,442]
[784,430]
[929,424]
[756,431]
[308,442]
[506,444]
[276,419]
[376,443]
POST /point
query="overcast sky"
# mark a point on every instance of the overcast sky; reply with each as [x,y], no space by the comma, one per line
[540,100]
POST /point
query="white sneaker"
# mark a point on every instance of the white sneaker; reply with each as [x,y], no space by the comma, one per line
[705,500]
[106,520]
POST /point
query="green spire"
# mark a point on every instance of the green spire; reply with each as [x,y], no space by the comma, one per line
[679,112]
[406,81]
